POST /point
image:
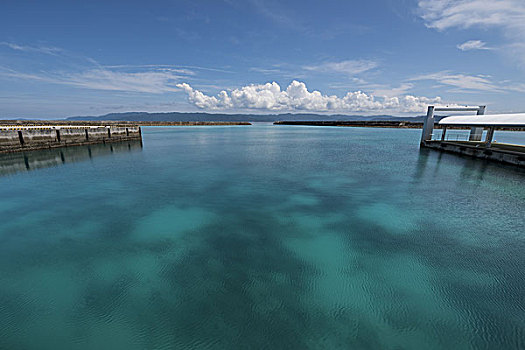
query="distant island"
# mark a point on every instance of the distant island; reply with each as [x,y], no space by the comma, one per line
[203,119]
[221,117]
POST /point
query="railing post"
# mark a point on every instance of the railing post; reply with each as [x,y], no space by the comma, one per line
[443,133]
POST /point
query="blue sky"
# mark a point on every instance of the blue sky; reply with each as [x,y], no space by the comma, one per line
[64,58]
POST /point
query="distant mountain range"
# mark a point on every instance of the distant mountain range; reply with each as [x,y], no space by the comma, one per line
[196,116]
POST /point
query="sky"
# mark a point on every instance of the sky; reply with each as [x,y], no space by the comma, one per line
[69,58]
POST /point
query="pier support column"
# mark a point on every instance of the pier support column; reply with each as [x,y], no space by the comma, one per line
[428,125]
[443,133]
[477,133]
[21,138]
[489,137]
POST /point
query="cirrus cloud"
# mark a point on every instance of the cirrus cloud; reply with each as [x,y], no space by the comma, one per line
[505,15]
[350,67]
[36,49]
[473,45]
[297,97]
[445,14]
[155,82]
[465,83]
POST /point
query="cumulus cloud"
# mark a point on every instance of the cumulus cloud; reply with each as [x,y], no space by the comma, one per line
[296,97]
[350,67]
[473,45]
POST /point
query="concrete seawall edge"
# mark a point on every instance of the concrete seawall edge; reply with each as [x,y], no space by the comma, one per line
[17,139]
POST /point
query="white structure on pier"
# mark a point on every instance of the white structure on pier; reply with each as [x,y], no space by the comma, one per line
[475,146]
[476,123]
[491,122]
[428,125]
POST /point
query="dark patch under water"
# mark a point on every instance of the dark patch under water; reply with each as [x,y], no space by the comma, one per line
[262,237]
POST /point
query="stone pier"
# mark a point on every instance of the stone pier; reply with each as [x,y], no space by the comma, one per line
[26,138]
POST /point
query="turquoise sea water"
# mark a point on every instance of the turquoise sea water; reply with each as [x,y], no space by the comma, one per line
[261,237]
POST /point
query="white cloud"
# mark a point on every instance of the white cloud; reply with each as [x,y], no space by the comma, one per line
[507,15]
[157,67]
[473,45]
[87,73]
[206,102]
[349,67]
[471,83]
[444,14]
[266,70]
[511,86]
[461,81]
[187,70]
[296,97]
[275,12]
[386,90]
[104,79]
[38,49]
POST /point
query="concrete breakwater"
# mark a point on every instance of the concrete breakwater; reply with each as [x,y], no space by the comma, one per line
[182,123]
[374,124]
[118,123]
[367,123]
[18,138]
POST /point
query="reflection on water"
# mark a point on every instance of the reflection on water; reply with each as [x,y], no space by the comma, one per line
[470,166]
[11,163]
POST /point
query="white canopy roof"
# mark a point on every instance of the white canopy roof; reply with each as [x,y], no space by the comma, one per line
[516,120]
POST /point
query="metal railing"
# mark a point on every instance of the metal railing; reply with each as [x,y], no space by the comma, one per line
[464,136]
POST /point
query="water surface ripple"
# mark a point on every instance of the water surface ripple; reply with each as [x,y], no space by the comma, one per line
[261,237]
